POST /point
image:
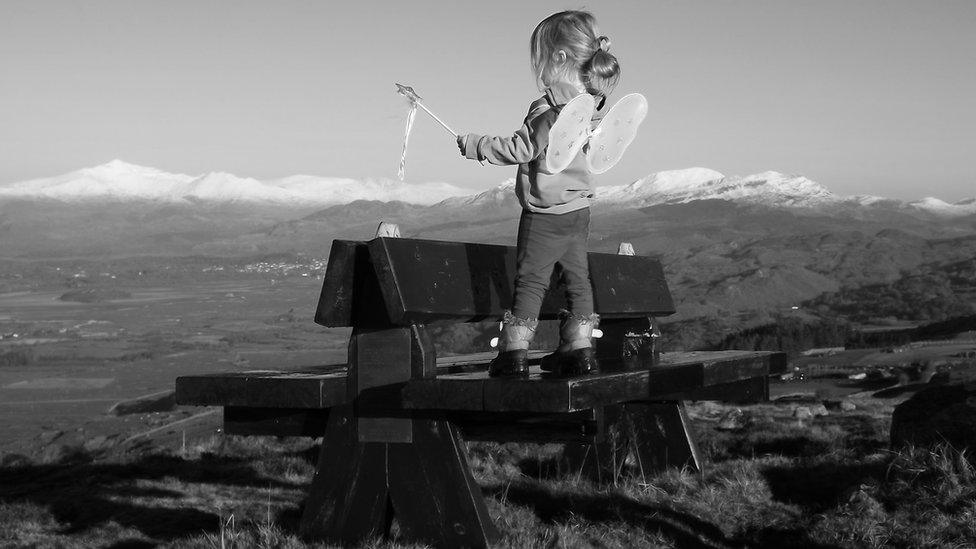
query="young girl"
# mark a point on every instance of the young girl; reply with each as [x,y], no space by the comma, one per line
[569,57]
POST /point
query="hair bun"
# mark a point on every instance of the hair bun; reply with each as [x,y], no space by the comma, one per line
[603,43]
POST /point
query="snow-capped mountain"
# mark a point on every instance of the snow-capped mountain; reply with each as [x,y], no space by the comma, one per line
[680,186]
[769,188]
[118,180]
[495,196]
[939,207]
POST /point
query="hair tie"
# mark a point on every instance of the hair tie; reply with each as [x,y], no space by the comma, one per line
[603,43]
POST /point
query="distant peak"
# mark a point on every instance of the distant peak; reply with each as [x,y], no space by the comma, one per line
[679,179]
[677,186]
[121,164]
[931,200]
[118,166]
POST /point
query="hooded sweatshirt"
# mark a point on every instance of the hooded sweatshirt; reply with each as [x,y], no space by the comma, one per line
[538,191]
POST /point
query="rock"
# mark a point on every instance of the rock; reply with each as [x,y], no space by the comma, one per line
[802,412]
[844,405]
[733,420]
[64,453]
[943,414]
[96,443]
[819,410]
[47,437]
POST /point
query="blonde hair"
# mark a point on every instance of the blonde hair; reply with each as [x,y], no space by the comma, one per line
[575,33]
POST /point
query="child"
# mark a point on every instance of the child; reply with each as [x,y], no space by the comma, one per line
[569,57]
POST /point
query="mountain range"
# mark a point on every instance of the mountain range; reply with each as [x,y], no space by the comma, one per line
[735,248]
[120,181]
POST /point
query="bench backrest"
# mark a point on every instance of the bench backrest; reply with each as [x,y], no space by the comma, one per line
[403,281]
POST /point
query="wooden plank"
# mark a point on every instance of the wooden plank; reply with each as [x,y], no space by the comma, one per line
[435,498]
[745,391]
[475,362]
[378,357]
[499,426]
[464,391]
[228,388]
[348,498]
[280,422]
[679,375]
[427,280]
[384,429]
[521,427]
[350,293]
[315,388]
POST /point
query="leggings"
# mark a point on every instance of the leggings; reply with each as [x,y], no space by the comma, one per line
[545,240]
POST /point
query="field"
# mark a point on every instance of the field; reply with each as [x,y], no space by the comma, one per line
[65,363]
[93,452]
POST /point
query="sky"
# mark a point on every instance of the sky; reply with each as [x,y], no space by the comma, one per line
[864,97]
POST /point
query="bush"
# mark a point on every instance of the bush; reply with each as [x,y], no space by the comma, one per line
[16,357]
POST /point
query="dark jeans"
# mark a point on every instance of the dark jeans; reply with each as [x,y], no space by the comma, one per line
[543,241]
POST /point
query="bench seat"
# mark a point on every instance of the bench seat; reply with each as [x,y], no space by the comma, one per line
[462,384]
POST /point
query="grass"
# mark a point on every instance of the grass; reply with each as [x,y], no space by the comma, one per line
[779,482]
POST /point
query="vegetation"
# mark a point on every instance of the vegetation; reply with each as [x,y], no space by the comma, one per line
[944,329]
[794,334]
[937,292]
[16,357]
[788,334]
[828,482]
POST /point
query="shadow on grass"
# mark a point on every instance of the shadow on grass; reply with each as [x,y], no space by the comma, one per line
[82,496]
[820,486]
[685,530]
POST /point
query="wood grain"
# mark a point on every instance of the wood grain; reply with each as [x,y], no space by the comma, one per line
[679,375]
[428,280]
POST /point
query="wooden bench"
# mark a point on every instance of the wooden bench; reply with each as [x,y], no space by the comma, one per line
[393,415]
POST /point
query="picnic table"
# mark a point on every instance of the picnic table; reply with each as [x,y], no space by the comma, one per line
[393,416]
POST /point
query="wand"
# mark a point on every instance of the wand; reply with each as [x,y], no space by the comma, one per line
[408,92]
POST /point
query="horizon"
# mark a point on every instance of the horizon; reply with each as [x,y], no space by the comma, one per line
[867,98]
[436,188]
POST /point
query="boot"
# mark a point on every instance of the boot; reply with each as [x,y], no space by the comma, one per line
[513,347]
[575,355]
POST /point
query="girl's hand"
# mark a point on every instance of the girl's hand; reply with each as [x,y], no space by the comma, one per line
[460,142]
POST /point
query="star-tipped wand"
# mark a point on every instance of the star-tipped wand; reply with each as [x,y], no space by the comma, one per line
[414,98]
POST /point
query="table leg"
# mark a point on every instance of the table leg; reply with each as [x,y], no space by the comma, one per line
[348,498]
[641,436]
[426,484]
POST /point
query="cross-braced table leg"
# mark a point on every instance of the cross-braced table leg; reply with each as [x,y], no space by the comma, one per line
[426,484]
[643,436]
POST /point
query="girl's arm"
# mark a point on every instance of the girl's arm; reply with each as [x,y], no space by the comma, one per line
[524,146]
